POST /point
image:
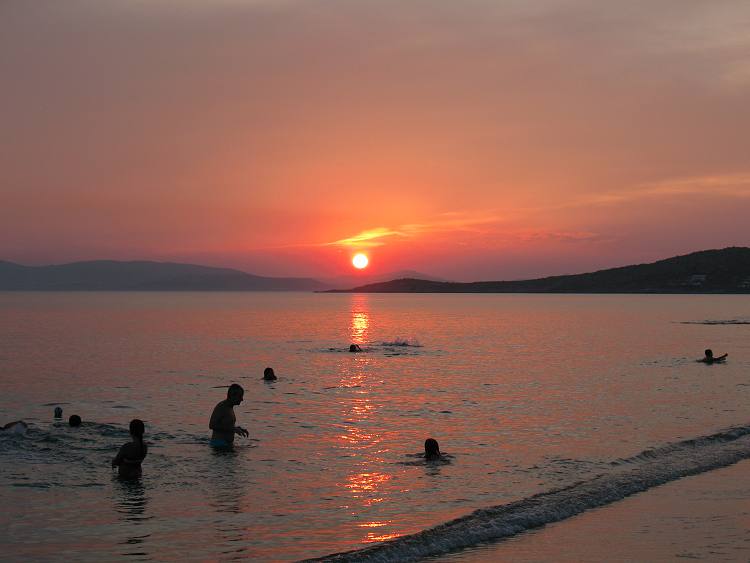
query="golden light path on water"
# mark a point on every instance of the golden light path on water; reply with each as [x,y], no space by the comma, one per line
[359,439]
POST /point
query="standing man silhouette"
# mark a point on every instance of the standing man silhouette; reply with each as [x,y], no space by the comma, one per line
[223,421]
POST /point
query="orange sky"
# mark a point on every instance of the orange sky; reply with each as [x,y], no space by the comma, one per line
[466,139]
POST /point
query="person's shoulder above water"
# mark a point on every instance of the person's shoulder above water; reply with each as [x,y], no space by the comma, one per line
[269,375]
[128,460]
[15,427]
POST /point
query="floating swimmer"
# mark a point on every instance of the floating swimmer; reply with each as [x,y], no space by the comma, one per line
[128,460]
[269,375]
[58,412]
[223,419]
[431,449]
[15,427]
[710,359]
[355,348]
[74,420]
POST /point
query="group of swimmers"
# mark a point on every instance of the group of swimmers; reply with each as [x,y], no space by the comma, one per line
[223,424]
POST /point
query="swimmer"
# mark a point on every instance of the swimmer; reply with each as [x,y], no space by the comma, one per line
[269,375]
[431,449]
[58,412]
[710,359]
[223,419]
[74,420]
[128,460]
[16,427]
[355,348]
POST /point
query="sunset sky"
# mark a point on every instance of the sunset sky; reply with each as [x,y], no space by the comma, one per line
[493,139]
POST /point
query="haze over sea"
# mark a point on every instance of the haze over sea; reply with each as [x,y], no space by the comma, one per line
[526,393]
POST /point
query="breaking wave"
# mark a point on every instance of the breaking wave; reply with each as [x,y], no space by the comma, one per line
[402,342]
[626,477]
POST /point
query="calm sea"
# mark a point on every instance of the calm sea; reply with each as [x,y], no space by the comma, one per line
[525,393]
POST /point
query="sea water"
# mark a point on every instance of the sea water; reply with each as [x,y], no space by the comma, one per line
[542,402]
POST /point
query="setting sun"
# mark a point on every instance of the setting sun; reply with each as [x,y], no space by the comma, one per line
[360,261]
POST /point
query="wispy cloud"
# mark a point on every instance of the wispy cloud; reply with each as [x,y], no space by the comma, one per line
[722,185]
[561,236]
[367,239]
[446,222]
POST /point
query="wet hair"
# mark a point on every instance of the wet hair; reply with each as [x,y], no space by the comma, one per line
[58,412]
[355,348]
[235,388]
[74,420]
[269,374]
[431,448]
[709,353]
[137,428]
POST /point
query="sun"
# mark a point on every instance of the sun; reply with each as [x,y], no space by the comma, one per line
[360,261]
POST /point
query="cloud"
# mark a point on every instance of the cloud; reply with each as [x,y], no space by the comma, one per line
[561,236]
[735,185]
[366,239]
[447,222]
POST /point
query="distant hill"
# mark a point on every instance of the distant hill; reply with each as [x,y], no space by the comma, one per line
[110,275]
[708,271]
[363,278]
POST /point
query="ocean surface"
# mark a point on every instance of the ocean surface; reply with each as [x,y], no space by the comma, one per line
[544,404]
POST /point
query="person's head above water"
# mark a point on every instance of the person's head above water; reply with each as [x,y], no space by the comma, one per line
[137,428]
[235,394]
[58,412]
[74,420]
[355,348]
[431,448]
[709,353]
[268,374]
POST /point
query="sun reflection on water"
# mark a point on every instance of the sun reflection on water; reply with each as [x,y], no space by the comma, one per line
[361,436]
[360,321]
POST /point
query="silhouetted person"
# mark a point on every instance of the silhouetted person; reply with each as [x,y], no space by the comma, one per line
[74,420]
[710,359]
[58,412]
[431,449]
[269,375]
[128,459]
[223,420]
[15,427]
[355,348]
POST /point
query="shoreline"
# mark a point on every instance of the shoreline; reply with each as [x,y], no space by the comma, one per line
[701,516]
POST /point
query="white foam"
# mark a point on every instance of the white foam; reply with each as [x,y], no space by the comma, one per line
[627,476]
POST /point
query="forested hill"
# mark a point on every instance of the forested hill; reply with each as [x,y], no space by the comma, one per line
[708,271]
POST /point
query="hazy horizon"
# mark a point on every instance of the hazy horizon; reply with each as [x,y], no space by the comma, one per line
[364,275]
[470,141]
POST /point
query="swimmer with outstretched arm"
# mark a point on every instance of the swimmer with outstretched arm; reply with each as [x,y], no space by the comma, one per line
[710,359]
[223,421]
[128,460]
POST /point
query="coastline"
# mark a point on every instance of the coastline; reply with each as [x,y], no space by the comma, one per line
[704,517]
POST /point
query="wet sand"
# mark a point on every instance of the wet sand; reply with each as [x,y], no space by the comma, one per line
[704,517]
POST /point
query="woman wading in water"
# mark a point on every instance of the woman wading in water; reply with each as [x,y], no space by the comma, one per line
[128,459]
